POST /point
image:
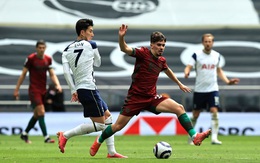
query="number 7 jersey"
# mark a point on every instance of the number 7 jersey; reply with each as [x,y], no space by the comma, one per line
[79,58]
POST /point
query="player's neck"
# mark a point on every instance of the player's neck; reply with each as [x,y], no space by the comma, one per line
[39,55]
[154,54]
[206,51]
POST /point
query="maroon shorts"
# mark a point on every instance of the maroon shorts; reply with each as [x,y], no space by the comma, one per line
[36,98]
[134,104]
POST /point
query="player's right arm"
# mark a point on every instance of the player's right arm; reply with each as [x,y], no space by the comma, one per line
[121,40]
[19,82]
[187,70]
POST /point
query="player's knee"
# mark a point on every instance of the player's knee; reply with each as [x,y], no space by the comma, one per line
[99,126]
[109,120]
[181,108]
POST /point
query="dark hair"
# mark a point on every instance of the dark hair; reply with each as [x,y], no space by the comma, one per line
[83,24]
[157,36]
[40,42]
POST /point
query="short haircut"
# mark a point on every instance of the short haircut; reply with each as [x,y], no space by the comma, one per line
[83,24]
[207,35]
[157,36]
[40,42]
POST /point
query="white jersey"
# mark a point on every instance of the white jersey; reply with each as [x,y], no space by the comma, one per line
[80,57]
[206,70]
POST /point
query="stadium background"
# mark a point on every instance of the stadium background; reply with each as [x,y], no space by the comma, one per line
[236,30]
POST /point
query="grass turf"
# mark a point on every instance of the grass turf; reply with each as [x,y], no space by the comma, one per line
[235,149]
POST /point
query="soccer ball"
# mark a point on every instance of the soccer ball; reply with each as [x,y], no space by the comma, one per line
[162,150]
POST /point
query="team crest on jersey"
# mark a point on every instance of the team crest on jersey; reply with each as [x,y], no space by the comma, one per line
[115,8]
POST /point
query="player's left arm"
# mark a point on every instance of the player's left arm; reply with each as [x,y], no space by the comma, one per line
[97,58]
[224,78]
[173,77]
[55,80]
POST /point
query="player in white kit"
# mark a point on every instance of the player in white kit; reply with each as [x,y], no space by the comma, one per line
[206,91]
[79,57]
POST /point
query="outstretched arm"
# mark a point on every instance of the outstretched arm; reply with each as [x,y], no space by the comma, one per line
[121,40]
[224,78]
[172,76]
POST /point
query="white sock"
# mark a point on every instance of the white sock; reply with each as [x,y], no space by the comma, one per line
[82,129]
[193,137]
[214,126]
[46,137]
[193,121]
[110,141]
[24,133]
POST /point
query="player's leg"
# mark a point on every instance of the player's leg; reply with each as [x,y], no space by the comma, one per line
[120,123]
[214,104]
[199,101]
[193,118]
[92,108]
[110,142]
[24,136]
[129,109]
[171,106]
[82,129]
[39,112]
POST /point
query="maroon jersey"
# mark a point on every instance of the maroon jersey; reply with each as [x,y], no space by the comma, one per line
[37,68]
[146,72]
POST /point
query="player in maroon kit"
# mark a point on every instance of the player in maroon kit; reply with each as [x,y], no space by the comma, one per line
[142,94]
[37,64]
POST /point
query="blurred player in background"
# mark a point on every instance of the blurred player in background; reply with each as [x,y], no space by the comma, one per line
[54,100]
[37,64]
[206,92]
[80,57]
[142,94]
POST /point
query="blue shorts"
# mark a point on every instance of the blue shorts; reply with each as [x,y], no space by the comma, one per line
[205,100]
[93,104]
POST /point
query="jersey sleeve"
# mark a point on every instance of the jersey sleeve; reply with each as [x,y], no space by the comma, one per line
[97,58]
[68,77]
[137,52]
[193,59]
[165,65]
[27,63]
[67,74]
[218,64]
[64,59]
[50,62]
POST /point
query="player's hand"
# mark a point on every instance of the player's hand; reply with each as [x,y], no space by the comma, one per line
[186,75]
[74,97]
[59,89]
[184,88]
[233,81]
[16,95]
[122,30]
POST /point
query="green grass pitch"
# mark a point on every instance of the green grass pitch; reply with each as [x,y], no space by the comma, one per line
[235,149]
